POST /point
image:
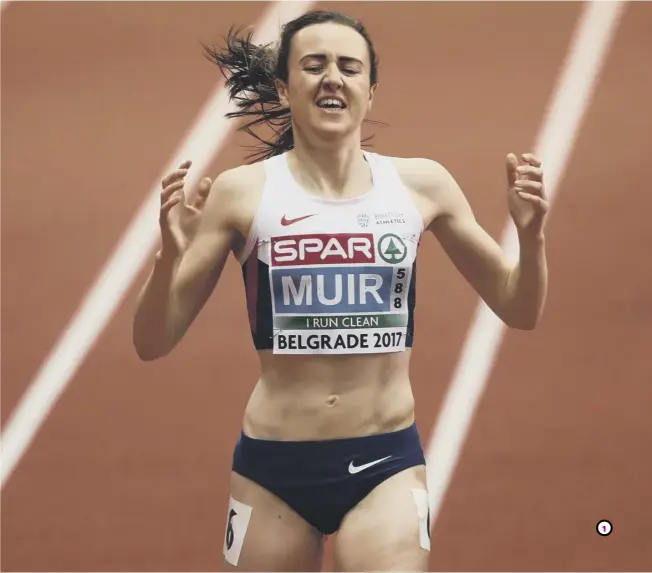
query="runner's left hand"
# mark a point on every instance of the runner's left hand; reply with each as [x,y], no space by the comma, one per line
[526,194]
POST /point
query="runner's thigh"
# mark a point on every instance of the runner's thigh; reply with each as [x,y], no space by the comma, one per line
[264,534]
[388,530]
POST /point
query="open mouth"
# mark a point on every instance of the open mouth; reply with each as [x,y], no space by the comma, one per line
[331,105]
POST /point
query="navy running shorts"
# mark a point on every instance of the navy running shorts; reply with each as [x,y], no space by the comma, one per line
[323,480]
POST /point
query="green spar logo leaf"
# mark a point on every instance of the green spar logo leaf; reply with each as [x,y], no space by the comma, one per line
[392,249]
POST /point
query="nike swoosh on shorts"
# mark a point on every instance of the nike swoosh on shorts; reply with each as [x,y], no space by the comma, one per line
[355,469]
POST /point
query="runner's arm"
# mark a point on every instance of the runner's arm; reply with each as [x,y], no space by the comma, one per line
[176,290]
[515,292]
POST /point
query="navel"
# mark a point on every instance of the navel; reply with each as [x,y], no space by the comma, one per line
[332,400]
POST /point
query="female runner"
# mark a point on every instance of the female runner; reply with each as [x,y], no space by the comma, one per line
[327,234]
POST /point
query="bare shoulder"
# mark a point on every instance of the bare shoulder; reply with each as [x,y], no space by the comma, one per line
[234,198]
[425,176]
[241,183]
[432,186]
[237,190]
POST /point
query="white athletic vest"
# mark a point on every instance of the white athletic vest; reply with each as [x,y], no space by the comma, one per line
[332,276]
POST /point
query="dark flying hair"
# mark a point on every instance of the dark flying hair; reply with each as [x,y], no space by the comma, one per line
[250,71]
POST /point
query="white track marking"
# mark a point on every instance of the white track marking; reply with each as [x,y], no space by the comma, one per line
[576,83]
[201,144]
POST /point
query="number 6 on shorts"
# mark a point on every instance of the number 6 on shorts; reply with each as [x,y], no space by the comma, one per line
[237,522]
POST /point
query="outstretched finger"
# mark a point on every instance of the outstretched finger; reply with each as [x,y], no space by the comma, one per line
[531,159]
[511,163]
[529,172]
[535,187]
[170,203]
[170,190]
[174,176]
[535,200]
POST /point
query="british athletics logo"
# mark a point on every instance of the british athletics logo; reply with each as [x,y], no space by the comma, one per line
[321,249]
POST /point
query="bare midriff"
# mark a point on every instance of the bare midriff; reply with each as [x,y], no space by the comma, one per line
[329,397]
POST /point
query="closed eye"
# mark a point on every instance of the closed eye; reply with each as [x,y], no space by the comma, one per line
[319,69]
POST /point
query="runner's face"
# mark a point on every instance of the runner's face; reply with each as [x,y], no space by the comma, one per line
[328,88]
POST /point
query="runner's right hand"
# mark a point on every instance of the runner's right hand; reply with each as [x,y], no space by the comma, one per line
[179,219]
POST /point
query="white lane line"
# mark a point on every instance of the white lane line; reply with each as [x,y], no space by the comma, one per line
[573,92]
[202,142]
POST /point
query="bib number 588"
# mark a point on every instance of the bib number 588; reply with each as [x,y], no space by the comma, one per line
[399,288]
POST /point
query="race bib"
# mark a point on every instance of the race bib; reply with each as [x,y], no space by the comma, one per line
[341,293]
